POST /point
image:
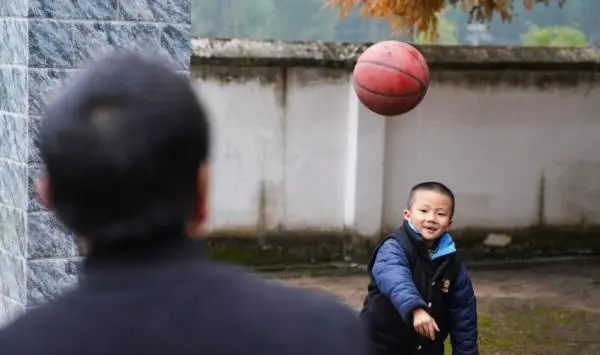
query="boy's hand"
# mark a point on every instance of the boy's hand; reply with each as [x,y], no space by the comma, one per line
[424,324]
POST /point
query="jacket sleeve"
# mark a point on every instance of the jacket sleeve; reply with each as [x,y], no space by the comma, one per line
[392,274]
[463,315]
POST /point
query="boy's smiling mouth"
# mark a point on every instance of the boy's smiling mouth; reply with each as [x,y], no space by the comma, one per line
[430,228]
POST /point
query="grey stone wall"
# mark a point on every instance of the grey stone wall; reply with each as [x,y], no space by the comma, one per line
[13,156]
[48,41]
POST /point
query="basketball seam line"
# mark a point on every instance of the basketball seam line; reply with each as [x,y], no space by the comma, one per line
[402,45]
[421,84]
[383,93]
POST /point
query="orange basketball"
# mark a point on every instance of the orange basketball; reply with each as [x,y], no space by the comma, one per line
[391,78]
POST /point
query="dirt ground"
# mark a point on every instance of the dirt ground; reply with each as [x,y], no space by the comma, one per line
[534,310]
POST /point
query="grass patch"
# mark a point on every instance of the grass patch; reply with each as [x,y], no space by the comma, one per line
[530,330]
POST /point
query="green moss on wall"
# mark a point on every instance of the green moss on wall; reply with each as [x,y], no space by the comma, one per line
[314,247]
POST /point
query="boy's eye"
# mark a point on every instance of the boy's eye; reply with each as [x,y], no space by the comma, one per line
[423,211]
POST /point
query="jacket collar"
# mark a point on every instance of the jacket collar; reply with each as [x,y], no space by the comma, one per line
[139,255]
[444,245]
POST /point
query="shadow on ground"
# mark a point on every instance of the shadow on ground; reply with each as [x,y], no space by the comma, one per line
[545,310]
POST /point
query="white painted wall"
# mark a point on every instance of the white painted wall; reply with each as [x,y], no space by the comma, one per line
[322,161]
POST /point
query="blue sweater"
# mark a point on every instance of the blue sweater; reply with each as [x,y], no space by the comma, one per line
[392,274]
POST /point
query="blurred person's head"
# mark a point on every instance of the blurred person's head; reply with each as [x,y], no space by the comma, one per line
[125,148]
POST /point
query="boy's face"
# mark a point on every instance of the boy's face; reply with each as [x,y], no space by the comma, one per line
[430,213]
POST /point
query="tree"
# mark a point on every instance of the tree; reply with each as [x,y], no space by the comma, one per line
[446,33]
[355,28]
[554,36]
[421,16]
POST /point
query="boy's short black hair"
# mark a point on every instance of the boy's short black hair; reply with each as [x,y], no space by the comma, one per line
[431,186]
[122,146]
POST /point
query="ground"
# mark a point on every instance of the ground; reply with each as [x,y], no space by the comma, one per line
[543,309]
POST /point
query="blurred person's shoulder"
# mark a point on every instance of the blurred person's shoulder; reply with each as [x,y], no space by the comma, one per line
[296,320]
[212,306]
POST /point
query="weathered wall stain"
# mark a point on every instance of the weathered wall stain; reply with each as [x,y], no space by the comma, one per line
[262,218]
[542,201]
[541,80]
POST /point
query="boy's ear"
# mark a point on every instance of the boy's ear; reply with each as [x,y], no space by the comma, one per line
[406,214]
[203,191]
[196,226]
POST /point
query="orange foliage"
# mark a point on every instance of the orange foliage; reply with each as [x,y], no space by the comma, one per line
[420,15]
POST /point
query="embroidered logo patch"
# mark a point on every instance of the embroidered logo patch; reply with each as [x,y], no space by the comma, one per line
[445,285]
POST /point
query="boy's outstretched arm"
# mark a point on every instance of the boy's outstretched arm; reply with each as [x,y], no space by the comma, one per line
[463,315]
[392,274]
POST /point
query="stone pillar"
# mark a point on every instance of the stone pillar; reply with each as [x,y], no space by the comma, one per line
[365,169]
[48,41]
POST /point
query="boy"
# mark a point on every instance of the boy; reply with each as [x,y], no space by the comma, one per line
[126,152]
[420,291]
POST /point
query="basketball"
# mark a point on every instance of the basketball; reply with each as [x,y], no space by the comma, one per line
[391,78]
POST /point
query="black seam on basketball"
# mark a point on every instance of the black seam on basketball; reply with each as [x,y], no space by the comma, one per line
[403,46]
[421,84]
[375,92]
